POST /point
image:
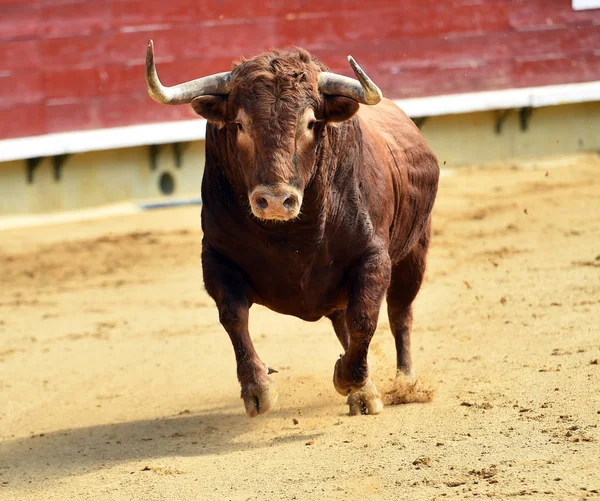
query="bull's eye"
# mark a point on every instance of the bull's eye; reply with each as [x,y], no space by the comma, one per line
[239,126]
[311,124]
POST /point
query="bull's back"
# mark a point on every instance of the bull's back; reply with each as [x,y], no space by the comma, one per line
[408,172]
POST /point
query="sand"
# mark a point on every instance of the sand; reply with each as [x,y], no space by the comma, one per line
[118,383]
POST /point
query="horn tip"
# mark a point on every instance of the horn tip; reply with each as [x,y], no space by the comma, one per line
[150,52]
[354,64]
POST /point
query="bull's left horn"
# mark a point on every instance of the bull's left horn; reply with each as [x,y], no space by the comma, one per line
[186,92]
[362,90]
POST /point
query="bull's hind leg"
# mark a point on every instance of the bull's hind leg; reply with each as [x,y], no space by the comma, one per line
[407,277]
[351,373]
[231,293]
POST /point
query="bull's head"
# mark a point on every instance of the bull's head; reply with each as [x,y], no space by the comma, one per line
[274,109]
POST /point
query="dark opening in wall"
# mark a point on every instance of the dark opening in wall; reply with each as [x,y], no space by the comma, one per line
[166,183]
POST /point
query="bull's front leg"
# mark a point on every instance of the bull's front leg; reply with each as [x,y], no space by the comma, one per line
[351,373]
[226,285]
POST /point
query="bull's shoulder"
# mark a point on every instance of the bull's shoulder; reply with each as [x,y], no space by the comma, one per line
[403,157]
[391,137]
[387,123]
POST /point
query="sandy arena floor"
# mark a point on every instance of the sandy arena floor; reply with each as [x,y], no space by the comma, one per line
[118,383]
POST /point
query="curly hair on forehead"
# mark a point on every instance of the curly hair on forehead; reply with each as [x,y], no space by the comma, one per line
[277,80]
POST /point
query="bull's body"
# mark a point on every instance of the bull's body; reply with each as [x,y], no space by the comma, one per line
[312,206]
[375,188]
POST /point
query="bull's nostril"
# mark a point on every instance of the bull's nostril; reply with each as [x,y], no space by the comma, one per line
[261,203]
[290,202]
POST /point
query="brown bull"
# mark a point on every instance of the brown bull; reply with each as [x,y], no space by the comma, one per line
[317,198]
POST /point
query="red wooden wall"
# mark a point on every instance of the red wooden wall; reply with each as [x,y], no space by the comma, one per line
[78,64]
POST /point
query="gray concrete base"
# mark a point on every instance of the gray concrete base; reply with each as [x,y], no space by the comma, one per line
[472,138]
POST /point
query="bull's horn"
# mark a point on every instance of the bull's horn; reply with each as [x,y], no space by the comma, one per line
[184,93]
[363,91]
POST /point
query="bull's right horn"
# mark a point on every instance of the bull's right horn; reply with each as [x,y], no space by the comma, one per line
[363,90]
[217,84]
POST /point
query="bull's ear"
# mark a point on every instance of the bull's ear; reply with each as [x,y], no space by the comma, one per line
[339,108]
[213,108]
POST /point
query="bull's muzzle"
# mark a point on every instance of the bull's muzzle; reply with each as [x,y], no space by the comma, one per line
[277,203]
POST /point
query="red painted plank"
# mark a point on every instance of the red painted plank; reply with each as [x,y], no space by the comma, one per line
[302,8]
[560,41]
[488,47]
[548,14]
[406,22]
[71,83]
[169,44]
[139,108]
[406,53]
[22,120]
[457,3]
[310,33]
[19,55]
[20,20]
[92,52]
[246,38]
[234,9]
[460,51]
[417,82]
[79,115]
[557,70]
[143,13]
[448,19]
[218,40]
[309,8]
[115,79]
[21,88]
[184,12]
[111,111]
[581,17]
[74,52]
[75,18]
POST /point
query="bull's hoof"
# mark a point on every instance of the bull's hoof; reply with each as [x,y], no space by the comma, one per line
[365,401]
[259,398]
[343,381]
[407,375]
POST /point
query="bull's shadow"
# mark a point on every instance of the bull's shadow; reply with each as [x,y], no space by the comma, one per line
[77,451]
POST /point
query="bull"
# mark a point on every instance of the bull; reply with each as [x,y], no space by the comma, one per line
[317,197]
